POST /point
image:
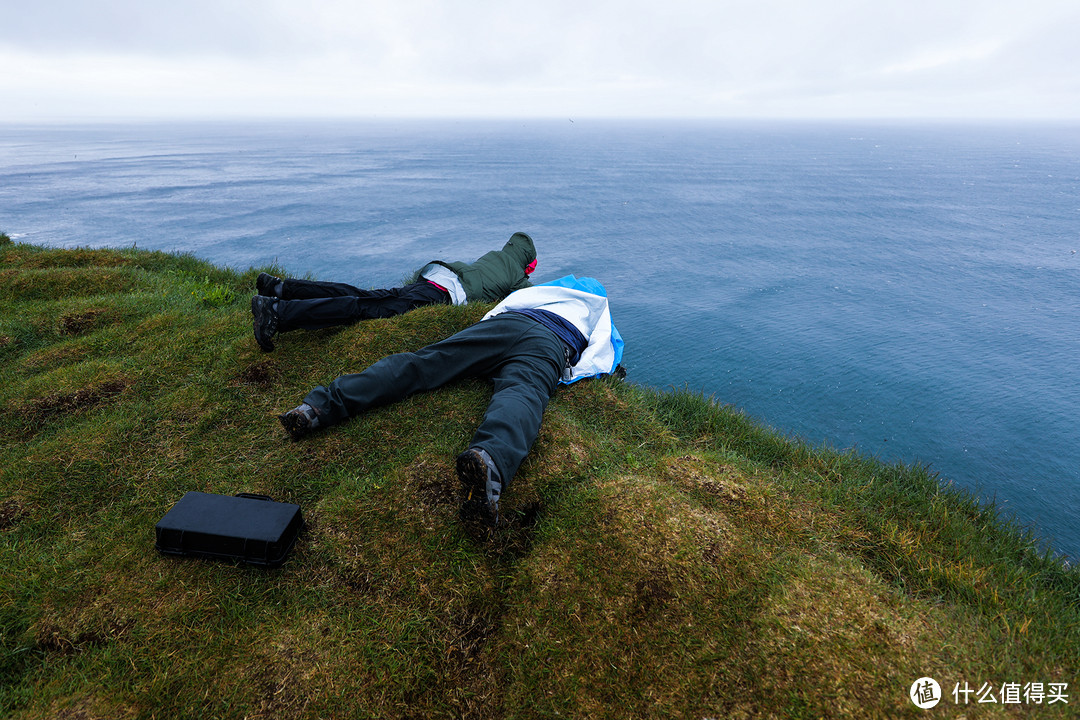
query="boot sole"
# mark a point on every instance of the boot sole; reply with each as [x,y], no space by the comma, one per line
[294,425]
[265,343]
[472,472]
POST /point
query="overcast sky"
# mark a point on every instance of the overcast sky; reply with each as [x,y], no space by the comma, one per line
[75,60]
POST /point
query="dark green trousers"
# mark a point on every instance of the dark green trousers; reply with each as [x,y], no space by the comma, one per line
[523,358]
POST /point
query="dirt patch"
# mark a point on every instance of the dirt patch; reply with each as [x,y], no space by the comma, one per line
[11,512]
[38,411]
[436,493]
[651,594]
[70,402]
[714,552]
[260,375]
[359,580]
[79,323]
[435,484]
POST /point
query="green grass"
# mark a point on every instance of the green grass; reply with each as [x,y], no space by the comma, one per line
[666,556]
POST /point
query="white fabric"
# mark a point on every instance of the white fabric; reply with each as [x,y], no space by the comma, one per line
[442,275]
[588,312]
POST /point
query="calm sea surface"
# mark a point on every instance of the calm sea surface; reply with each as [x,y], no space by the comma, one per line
[909,290]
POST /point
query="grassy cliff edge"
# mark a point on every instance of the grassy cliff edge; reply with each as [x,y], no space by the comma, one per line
[666,556]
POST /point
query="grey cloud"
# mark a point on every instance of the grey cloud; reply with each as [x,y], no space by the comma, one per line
[123,27]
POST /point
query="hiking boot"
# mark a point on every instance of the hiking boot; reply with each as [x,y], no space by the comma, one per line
[267,285]
[481,486]
[299,421]
[266,320]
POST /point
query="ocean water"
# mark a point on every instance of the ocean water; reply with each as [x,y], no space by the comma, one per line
[908,290]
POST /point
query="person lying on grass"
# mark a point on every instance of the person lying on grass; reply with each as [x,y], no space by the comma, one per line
[293,304]
[538,337]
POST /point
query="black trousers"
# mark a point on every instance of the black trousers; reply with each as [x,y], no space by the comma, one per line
[523,358]
[310,305]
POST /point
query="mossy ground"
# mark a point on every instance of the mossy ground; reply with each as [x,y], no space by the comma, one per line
[665,555]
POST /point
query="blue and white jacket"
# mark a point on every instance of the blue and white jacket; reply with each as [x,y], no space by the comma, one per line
[584,303]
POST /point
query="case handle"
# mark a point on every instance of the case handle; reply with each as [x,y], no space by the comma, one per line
[255,496]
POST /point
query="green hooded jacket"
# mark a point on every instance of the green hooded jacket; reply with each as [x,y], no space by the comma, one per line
[497,273]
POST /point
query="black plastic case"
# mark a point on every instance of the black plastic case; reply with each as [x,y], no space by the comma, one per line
[248,528]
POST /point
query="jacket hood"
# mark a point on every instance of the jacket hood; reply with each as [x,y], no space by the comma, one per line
[521,248]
